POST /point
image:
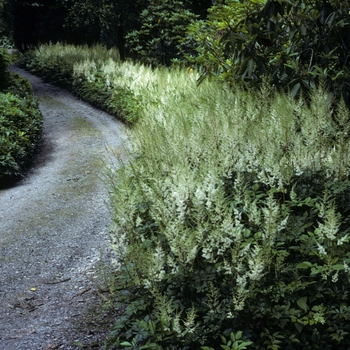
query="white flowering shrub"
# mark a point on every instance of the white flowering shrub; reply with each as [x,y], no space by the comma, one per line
[92,73]
[231,222]
[231,213]
[127,90]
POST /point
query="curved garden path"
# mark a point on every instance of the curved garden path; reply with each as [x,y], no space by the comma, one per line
[54,227]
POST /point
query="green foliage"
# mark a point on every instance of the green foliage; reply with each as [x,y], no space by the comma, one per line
[5,61]
[93,73]
[6,42]
[288,44]
[235,343]
[20,132]
[232,220]
[56,62]
[19,86]
[20,118]
[102,21]
[93,18]
[119,101]
[163,27]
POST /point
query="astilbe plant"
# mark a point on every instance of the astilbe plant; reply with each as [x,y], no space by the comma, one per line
[95,74]
[231,220]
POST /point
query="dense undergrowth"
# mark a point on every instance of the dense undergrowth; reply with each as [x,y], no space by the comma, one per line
[232,220]
[95,74]
[231,215]
[20,124]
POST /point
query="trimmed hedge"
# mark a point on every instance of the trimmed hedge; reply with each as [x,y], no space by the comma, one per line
[21,126]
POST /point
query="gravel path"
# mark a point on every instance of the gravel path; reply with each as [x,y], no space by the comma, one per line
[54,227]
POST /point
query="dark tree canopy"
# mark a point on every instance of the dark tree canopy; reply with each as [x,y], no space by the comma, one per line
[291,44]
[36,22]
[85,21]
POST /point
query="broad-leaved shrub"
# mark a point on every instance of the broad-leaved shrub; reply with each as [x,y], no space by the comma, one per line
[19,86]
[20,132]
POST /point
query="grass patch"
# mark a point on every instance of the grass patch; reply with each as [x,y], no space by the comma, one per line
[86,127]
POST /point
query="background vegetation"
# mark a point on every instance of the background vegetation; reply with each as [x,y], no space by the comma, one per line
[288,44]
[231,213]
[20,128]
[20,118]
[292,45]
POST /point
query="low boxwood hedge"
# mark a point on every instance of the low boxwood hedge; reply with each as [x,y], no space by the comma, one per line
[21,126]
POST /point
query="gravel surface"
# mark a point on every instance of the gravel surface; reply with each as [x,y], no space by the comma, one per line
[54,228]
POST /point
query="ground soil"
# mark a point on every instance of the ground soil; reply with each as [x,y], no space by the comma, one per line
[54,226]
